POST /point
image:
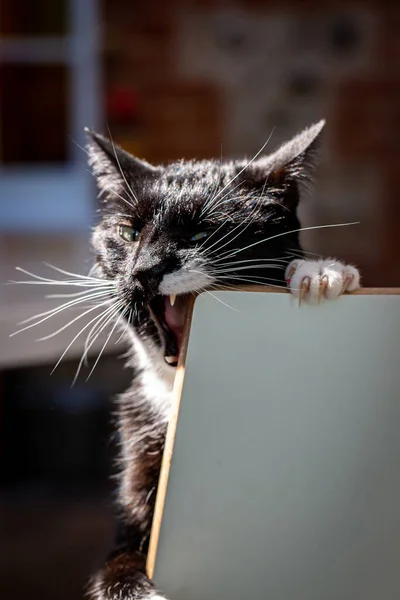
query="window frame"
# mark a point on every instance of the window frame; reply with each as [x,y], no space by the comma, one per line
[47,196]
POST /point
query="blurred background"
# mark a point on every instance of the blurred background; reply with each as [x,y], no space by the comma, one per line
[170,79]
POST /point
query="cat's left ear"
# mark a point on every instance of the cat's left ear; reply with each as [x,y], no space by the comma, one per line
[292,163]
[115,169]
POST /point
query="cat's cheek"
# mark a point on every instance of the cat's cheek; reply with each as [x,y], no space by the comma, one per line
[184,281]
[315,280]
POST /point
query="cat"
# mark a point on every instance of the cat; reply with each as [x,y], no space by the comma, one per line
[167,232]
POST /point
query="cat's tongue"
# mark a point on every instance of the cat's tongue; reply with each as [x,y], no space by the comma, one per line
[174,316]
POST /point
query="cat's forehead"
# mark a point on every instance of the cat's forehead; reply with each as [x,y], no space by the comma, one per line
[191,173]
[180,193]
[194,179]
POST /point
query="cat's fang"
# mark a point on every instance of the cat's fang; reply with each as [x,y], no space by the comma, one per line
[172,299]
[171,359]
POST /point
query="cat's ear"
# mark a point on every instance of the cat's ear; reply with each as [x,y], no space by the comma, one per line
[291,164]
[116,171]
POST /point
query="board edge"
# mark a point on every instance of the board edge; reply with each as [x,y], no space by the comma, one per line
[169,443]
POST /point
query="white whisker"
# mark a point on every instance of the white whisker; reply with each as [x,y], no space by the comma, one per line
[221,301]
[243,268]
[121,171]
[54,282]
[211,206]
[252,217]
[128,321]
[251,260]
[91,309]
[291,231]
[86,277]
[99,326]
[257,281]
[244,278]
[75,338]
[105,344]
[247,165]
[53,311]
[74,295]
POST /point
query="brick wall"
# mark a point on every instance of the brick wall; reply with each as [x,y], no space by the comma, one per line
[186,64]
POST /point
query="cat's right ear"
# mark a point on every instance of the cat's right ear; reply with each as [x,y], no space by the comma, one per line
[292,164]
[116,171]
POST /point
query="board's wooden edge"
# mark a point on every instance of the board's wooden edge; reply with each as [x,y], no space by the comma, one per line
[177,392]
[280,290]
[169,443]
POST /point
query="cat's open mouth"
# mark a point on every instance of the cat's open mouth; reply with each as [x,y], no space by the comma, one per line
[168,313]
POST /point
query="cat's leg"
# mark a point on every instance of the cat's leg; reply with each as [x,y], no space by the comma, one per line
[142,434]
[313,280]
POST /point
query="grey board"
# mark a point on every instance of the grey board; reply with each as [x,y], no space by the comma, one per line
[285,477]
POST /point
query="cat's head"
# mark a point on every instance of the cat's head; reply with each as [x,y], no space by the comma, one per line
[169,231]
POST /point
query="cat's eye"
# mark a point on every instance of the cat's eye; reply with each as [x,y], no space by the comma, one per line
[129,234]
[197,237]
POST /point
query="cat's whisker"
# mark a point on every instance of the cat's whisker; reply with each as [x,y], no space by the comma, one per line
[134,197]
[91,309]
[89,295]
[217,287]
[209,237]
[57,309]
[96,329]
[113,191]
[77,275]
[221,301]
[107,188]
[77,335]
[207,289]
[247,165]
[213,192]
[209,198]
[291,231]
[228,217]
[256,281]
[218,216]
[54,282]
[304,253]
[128,320]
[250,260]
[79,281]
[211,206]
[105,344]
[244,268]
[212,214]
[201,273]
[214,205]
[87,344]
[74,295]
[244,226]
[255,277]
[94,333]
[251,218]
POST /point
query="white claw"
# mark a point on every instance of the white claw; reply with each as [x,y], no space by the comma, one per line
[172,299]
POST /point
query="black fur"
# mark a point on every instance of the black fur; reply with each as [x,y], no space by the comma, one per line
[247,212]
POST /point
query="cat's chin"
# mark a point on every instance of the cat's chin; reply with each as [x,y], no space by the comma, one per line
[168,314]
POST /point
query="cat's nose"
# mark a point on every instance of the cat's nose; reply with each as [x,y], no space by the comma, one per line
[157,269]
[151,277]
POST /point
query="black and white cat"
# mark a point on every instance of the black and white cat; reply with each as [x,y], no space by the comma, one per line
[165,233]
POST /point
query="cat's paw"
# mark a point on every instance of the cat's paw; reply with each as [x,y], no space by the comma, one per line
[313,280]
